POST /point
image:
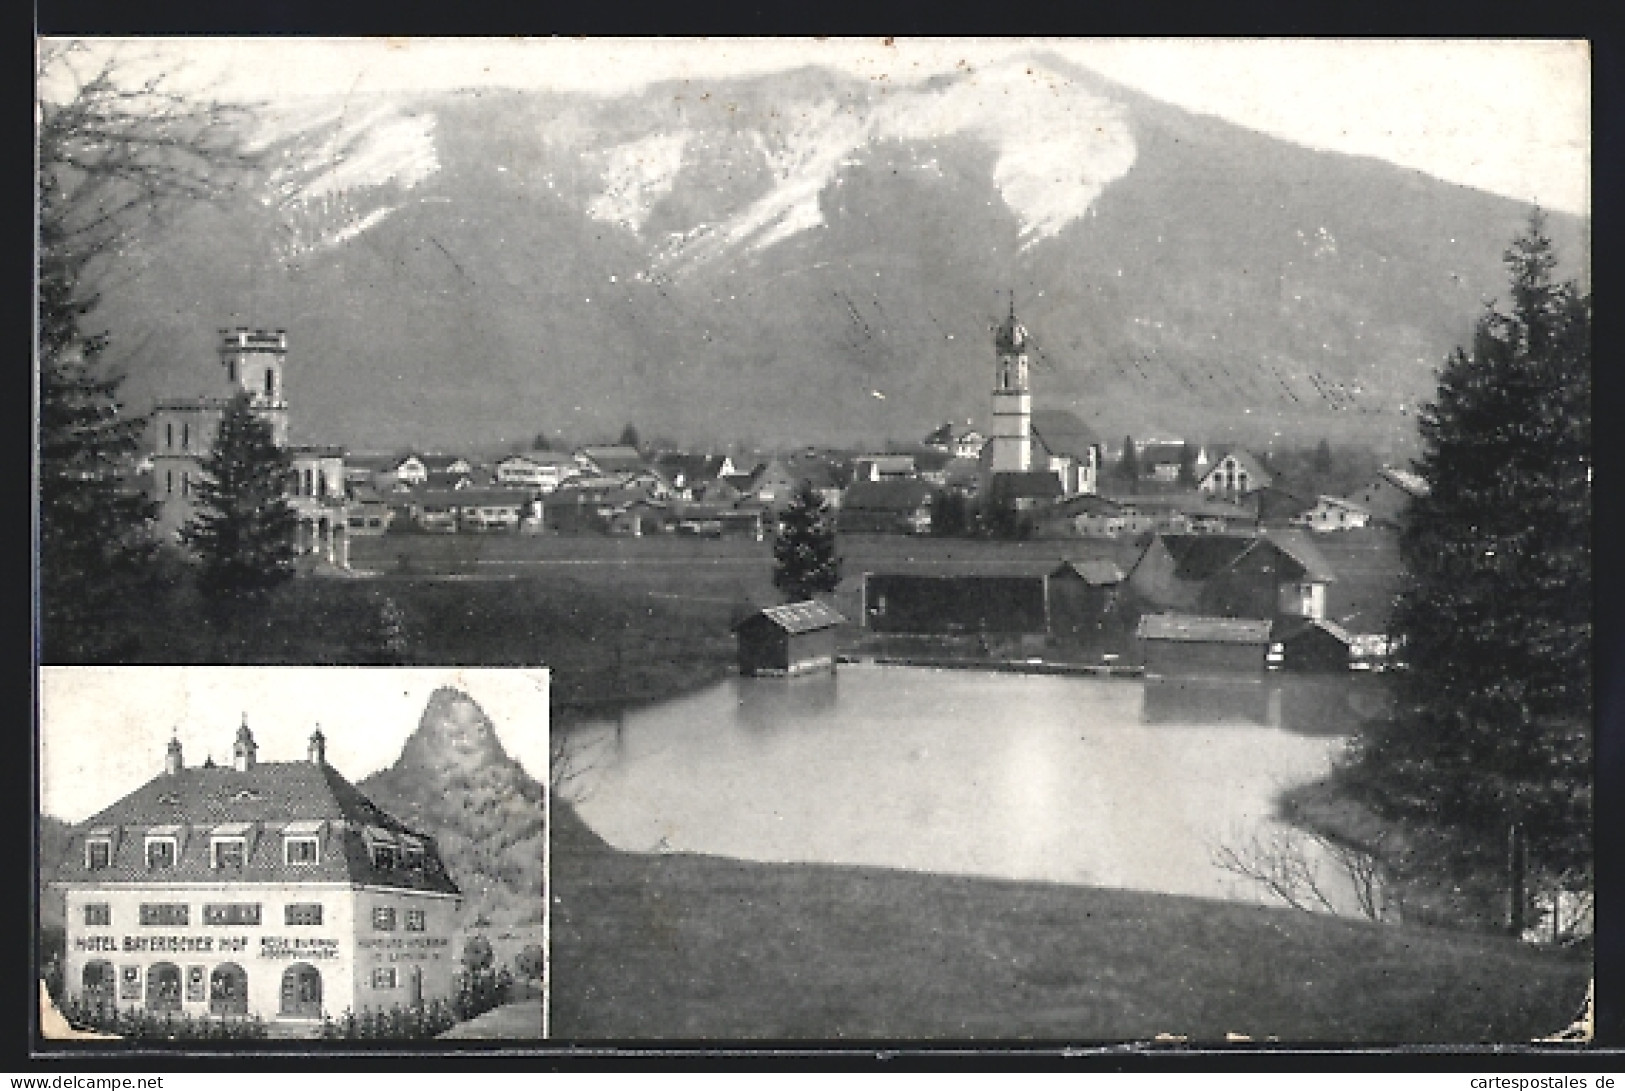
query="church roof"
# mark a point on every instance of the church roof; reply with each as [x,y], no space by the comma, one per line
[1060,432]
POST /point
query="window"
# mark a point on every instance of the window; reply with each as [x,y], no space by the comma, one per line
[270,382]
[415,920]
[186,483]
[301,851]
[169,482]
[232,913]
[228,852]
[186,435]
[384,856]
[166,913]
[231,371]
[98,854]
[302,913]
[383,977]
[383,918]
[161,852]
[98,914]
[169,435]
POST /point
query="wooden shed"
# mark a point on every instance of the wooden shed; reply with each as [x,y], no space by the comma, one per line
[792,639]
[1188,646]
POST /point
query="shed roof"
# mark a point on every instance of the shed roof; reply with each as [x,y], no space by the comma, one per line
[798,617]
[1099,573]
[1207,630]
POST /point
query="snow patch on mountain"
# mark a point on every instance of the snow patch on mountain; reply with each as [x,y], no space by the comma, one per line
[635,176]
[1058,147]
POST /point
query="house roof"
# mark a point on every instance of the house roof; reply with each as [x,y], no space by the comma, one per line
[1207,630]
[474,498]
[1290,628]
[1035,484]
[441,463]
[962,471]
[889,462]
[1246,460]
[1094,573]
[1414,484]
[798,617]
[898,496]
[265,800]
[1160,454]
[614,458]
[1298,545]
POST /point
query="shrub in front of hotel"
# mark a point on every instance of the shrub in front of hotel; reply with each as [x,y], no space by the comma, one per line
[138,1024]
[478,991]
[395,1023]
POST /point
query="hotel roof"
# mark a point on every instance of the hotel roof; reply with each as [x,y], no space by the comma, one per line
[260,804]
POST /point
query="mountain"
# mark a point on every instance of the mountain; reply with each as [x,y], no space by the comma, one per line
[813,257]
[454,781]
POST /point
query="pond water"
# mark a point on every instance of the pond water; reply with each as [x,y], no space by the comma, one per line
[1068,779]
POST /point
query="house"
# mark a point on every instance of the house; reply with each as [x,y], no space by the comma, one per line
[369,472]
[1091,516]
[1064,445]
[369,513]
[886,467]
[690,473]
[1332,513]
[962,475]
[470,509]
[1281,503]
[1232,575]
[1188,646]
[886,507]
[609,459]
[1160,460]
[408,471]
[447,465]
[791,639]
[274,890]
[448,479]
[1388,494]
[1022,491]
[538,470]
[1235,474]
[959,443]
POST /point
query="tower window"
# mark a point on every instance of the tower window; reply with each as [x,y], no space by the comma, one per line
[169,482]
[169,435]
[231,370]
[270,383]
[186,435]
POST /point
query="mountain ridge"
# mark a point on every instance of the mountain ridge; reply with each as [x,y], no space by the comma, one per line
[572,263]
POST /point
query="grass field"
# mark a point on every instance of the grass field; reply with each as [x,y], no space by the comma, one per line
[689,947]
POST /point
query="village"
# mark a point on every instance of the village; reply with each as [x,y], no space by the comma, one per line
[1036,543]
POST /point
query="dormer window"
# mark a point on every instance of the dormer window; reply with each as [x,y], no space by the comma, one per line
[99,853]
[228,852]
[301,844]
[384,846]
[163,849]
[412,853]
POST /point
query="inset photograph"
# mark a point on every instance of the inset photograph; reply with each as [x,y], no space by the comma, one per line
[230,854]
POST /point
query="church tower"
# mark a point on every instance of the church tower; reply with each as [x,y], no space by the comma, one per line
[254,361]
[1011,436]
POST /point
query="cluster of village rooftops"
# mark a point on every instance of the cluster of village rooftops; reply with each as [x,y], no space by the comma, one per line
[1044,462]
[270,889]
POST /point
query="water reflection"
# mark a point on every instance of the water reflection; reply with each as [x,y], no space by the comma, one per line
[1193,701]
[1026,777]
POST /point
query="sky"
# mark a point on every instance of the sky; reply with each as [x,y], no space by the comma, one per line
[1510,117]
[104,730]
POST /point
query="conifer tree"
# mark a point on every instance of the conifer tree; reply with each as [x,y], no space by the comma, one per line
[116,154]
[1187,465]
[243,529]
[804,554]
[1128,467]
[1493,721]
